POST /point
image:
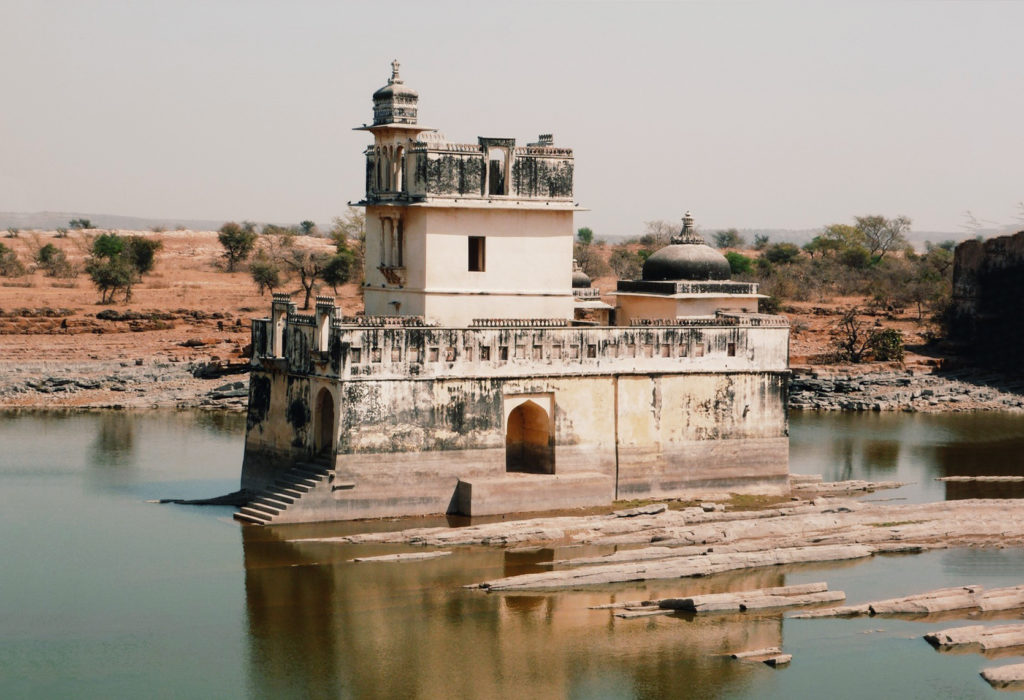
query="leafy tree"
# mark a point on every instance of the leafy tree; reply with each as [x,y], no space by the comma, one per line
[729,238]
[338,268]
[238,241]
[10,266]
[307,227]
[761,241]
[882,235]
[141,252]
[13,231]
[585,236]
[739,263]
[80,224]
[111,275]
[781,253]
[266,272]
[107,245]
[117,264]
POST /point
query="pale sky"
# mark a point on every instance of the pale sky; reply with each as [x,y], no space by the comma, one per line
[753,115]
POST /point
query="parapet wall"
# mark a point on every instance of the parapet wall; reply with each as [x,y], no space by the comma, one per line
[726,343]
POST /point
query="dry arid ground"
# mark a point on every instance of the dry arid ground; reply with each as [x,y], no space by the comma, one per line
[189,310]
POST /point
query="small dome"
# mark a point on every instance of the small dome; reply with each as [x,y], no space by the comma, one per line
[396,102]
[580,280]
[688,257]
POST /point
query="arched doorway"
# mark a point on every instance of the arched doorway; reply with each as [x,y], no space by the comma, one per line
[324,424]
[528,443]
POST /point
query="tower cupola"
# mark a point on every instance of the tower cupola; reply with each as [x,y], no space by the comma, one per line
[395,103]
[687,257]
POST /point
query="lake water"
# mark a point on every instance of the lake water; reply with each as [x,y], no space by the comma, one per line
[104,595]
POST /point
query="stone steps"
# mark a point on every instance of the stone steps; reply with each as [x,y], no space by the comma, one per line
[289,488]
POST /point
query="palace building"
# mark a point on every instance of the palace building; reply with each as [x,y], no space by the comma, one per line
[484,376]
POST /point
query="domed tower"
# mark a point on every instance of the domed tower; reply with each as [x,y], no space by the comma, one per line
[684,279]
[463,231]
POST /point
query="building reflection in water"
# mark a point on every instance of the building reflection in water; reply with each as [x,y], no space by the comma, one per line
[321,626]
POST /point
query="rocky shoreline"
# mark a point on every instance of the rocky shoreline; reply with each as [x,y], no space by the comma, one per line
[903,390]
[139,383]
[215,384]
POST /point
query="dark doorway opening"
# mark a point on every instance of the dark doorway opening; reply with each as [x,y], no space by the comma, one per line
[529,446]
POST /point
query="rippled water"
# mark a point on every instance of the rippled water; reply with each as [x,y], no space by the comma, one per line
[104,595]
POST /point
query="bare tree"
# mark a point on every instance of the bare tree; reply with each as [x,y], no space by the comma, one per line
[882,235]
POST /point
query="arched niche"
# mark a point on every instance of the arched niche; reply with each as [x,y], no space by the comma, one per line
[324,422]
[529,435]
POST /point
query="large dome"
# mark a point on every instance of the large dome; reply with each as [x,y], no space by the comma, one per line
[687,258]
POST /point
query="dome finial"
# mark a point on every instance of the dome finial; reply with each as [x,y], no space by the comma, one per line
[689,233]
[394,73]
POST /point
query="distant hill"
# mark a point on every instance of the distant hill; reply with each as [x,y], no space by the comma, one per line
[801,236]
[49,220]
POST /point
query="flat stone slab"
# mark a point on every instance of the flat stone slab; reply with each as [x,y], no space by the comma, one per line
[523,493]
[404,556]
[1011,676]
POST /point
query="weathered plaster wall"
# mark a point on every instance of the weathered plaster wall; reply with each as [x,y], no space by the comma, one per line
[418,408]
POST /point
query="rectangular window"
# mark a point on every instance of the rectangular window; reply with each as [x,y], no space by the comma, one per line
[449,354]
[477,254]
[646,350]
[396,354]
[684,349]
[538,352]
[631,350]
[574,352]
[467,353]
[432,355]
[414,354]
[698,349]
[520,352]
[731,350]
[485,353]
[556,352]
[357,355]
[503,353]
[591,351]
[375,355]
[665,350]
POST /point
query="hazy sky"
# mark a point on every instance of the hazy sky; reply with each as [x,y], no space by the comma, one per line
[773,115]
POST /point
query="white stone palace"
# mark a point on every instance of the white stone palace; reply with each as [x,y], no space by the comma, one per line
[472,386]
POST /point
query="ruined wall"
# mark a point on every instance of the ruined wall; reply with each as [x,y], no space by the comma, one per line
[987,313]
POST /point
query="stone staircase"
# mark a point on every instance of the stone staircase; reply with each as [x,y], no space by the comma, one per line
[292,485]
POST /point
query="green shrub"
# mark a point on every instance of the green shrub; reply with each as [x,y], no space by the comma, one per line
[10,266]
[887,345]
[739,263]
[781,253]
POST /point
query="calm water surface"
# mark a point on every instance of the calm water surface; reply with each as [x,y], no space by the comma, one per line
[105,595]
